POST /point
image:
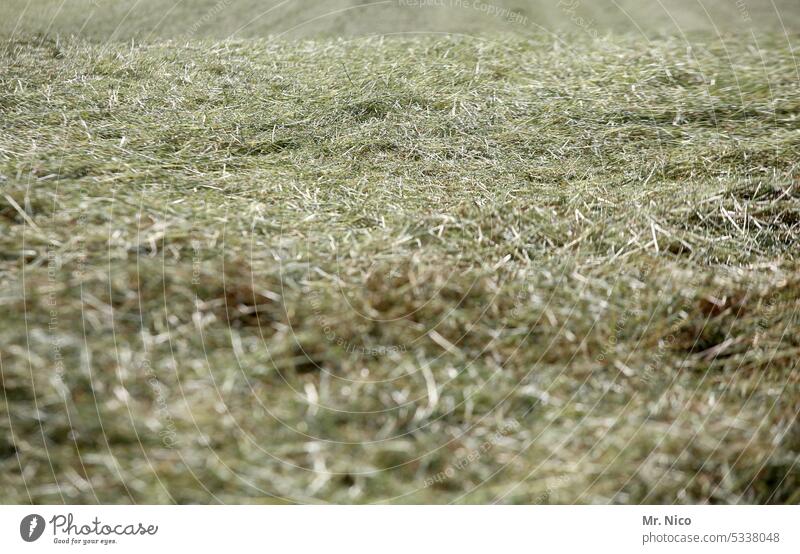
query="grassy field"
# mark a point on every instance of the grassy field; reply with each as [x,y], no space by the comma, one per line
[440,268]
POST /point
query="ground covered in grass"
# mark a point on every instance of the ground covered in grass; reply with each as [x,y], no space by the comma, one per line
[400,270]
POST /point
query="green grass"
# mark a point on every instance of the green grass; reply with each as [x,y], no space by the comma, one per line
[432,269]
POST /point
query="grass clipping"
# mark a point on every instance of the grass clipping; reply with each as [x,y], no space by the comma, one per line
[426,270]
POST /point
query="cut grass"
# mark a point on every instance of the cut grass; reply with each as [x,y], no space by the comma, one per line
[406,270]
[147,20]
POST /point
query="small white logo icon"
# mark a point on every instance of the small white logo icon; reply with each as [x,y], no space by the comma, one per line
[31,527]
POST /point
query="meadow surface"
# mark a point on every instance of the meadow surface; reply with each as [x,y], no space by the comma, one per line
[446,267]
